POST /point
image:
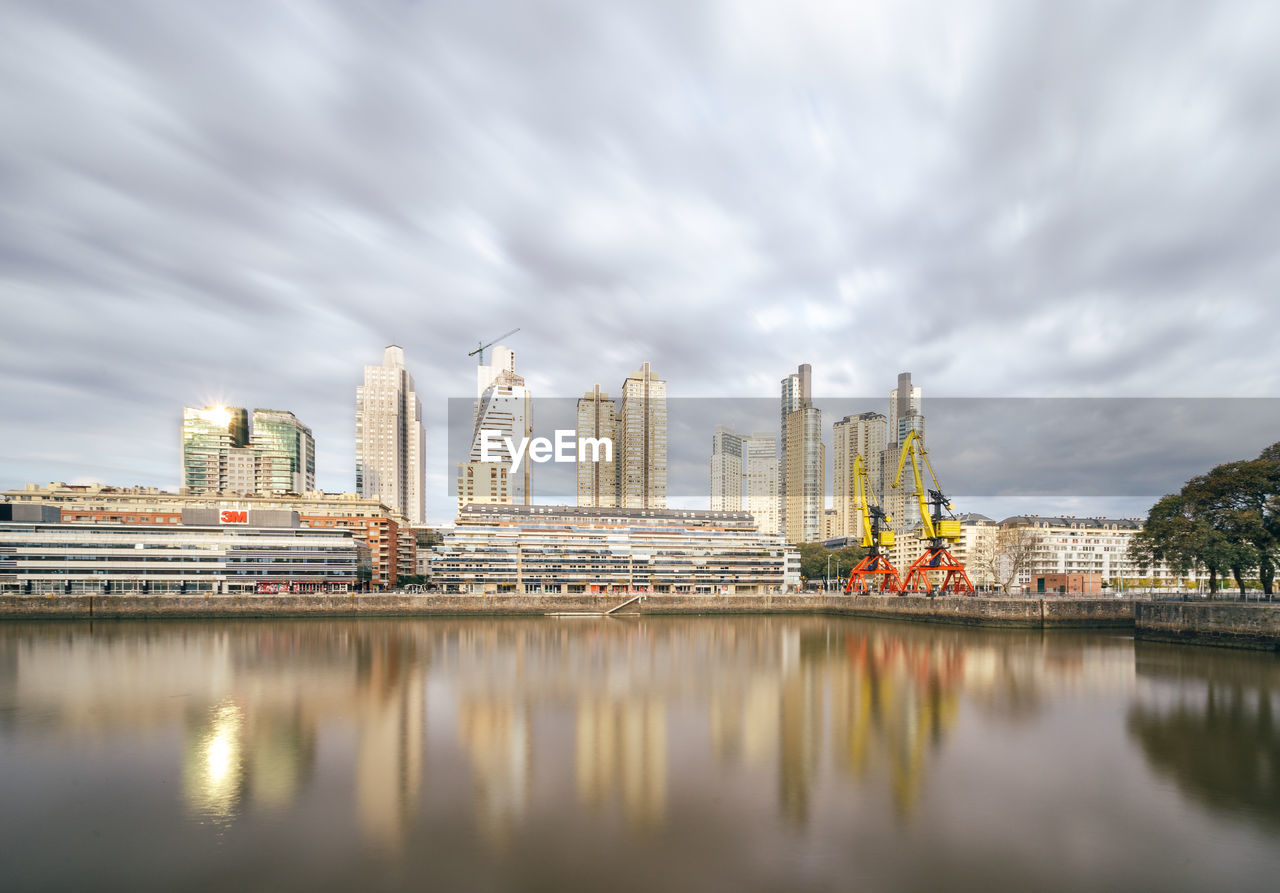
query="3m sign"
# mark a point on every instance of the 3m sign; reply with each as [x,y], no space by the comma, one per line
[234,517]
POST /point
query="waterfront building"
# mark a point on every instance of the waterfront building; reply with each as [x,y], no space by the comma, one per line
[390,443]
[580,549]
[865,435]
[726,470]
[1094,546]
[760,478]
[207,551]
[391,541]
[504,407]
[641,441]
[597,470]
[804,473]
[216,457]
[744,475]
[284,453]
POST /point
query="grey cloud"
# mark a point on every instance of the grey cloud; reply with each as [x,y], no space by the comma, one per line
[251,200]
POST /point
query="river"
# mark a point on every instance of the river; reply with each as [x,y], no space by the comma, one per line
[630,753]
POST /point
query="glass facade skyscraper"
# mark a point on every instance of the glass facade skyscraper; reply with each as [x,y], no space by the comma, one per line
[215,450]
[285,452]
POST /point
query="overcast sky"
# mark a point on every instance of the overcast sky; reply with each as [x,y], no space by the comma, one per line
[246,201]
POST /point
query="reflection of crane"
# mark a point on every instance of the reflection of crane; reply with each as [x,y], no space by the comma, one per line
[483,347]
[874,535]
[939,531]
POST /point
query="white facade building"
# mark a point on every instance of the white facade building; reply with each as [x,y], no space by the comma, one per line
[390,443]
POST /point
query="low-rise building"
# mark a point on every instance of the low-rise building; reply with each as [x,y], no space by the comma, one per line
[391,542]
[207,551]
[581,549]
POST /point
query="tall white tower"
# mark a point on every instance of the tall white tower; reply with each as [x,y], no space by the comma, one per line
[390,443]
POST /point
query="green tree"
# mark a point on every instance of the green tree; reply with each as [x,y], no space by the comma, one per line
[1227,521]
[813,561]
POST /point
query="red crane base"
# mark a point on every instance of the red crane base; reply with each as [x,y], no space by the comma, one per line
[937,561]
[863,576]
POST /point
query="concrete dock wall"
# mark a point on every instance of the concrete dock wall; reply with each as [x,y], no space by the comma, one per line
[1027,612]
[1238,625]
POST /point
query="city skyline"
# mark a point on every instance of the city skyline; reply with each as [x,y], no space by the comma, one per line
[188,228]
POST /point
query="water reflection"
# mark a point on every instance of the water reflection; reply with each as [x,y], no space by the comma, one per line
[1206,720]
[399,733]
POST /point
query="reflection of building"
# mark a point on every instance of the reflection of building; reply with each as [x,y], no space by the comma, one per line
[622,749]
[247,702]
[495,733]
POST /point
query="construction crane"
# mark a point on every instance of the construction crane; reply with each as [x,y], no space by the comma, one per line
[936,529]
[874,573]
[483,347]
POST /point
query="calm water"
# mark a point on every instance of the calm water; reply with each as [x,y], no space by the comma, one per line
[755,753]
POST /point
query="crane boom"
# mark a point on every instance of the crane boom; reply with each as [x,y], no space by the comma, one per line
[934,527]
[483,347]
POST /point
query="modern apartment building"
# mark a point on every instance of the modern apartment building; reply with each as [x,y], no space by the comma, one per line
[760,480]
[284,452]
[216,457]
[744,475]
[222,453]
[597,470]
[390,443]
[641,442]
[804,472]
[726,470]
[504,407]
[862,435]
[391,542]
[577,549]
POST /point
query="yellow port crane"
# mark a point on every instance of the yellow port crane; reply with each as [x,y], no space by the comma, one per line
[936,529]
[874,573]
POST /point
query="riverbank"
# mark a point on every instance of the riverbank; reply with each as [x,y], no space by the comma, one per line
[1209,623]
[1018,612]
[1217,623]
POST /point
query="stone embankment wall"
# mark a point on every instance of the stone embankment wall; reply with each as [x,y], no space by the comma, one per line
[1239,625]
[1025,612]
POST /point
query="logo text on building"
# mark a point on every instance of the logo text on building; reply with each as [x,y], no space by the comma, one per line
[234,517]
[565,447]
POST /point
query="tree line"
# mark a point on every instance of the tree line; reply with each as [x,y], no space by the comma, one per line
[1226,521]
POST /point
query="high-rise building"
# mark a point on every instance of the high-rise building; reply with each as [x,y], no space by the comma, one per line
[504,408]
[641,442]
[285,452]
[862,435]
[216,456]
[726,470]
[744,475]
[390,444]
[803,466]
[905,410]
[760,477]
[906,414]
[598,468]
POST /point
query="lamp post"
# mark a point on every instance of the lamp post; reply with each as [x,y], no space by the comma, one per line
[828,572]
